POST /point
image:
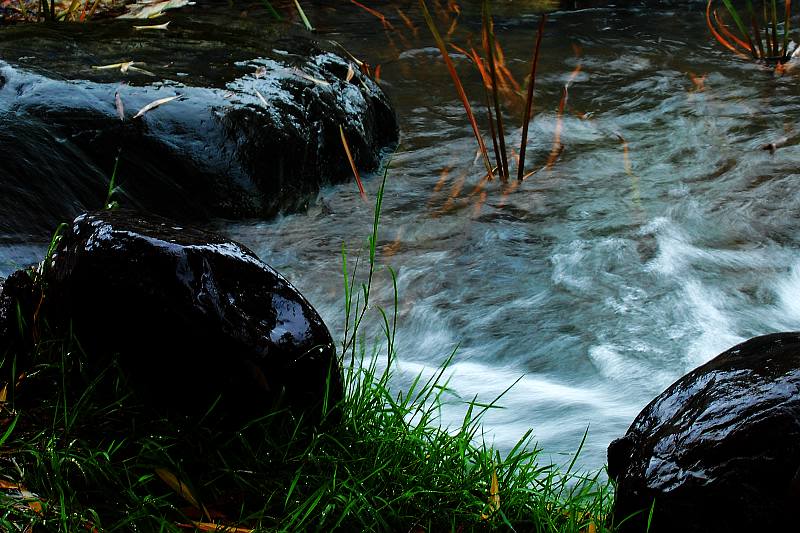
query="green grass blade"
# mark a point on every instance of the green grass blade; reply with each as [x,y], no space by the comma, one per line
[739,24]
[271,10]
[306,23]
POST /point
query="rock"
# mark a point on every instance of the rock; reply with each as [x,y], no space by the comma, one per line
[18,298]
[719,450]
[254,132]
[189,316]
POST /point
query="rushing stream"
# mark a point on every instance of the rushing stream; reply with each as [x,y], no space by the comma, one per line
[661,235]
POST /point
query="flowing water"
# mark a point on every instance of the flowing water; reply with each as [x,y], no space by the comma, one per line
[661,235]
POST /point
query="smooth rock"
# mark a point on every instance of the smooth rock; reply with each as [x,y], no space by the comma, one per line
[254,130]
[189,315]
[719,450]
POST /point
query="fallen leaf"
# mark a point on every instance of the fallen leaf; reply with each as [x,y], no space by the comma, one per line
[143,71]
[350,72]
[118,104]
[261,72]
[311,78]
[123,67]
[150,9]
[4,393]
[211,526]
[154,27]
[261,97]
[494,497]
[155,104]
[29,498]
[178,486]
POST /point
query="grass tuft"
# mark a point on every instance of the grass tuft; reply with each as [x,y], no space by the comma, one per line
[80,452]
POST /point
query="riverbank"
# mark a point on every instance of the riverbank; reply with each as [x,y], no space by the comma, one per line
[71,462]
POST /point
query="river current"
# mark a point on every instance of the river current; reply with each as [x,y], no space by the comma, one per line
[661,234]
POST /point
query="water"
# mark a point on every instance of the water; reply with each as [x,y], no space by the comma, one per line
[662,235]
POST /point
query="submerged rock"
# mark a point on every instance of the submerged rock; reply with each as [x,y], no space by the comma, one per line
[719,450]
[189,316]
[254,130]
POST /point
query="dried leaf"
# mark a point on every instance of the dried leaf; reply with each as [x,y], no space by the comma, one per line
[178,486]
[154,27]
[123,67]
[4,393]
[149,9]
[350,72]
[30,499]
[143,71]
[210,526]
[261,72]
[261,97]
[118,104]
[155,104]
[494,497]
[311,78]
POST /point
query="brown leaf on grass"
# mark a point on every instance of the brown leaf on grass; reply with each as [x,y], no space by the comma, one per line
[155,104]
[494,497]
[4,394]
[211,526]
[179,487]
[30,499]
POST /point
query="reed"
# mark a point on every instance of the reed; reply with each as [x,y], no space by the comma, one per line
[496,78]
[766,37]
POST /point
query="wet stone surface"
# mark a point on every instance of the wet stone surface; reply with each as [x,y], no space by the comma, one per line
[254,129]
[720,449]
[189,315]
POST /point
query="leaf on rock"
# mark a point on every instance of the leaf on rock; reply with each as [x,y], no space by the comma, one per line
[155,104]
[148,9]
[162,27]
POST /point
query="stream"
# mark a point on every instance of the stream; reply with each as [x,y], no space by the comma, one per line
[661,234]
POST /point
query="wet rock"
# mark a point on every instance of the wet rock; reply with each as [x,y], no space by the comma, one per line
[719,450]
[254,131]
[189,316]
[18,299]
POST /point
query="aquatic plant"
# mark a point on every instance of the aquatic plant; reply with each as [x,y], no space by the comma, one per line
[760,34]
[491,69]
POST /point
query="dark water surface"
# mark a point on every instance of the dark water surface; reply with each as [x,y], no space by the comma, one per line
[662,235]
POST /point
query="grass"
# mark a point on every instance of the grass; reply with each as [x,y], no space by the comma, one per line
[78,452]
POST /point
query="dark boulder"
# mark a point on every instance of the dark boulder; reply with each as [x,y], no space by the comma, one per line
[719,450]
[189,316]
[254,131]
